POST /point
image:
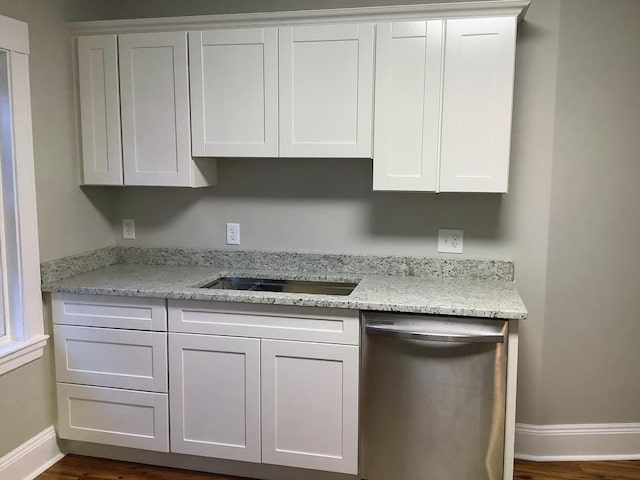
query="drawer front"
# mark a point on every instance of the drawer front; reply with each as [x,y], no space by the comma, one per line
[111,358]
[134,313]
[323,325]
[113,417]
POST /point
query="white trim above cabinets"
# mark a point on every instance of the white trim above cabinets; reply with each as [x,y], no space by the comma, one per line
[424,90]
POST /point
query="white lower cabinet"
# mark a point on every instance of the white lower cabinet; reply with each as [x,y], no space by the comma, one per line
[310,405]
[266,384]
[249,395]
[215,396]
[111,370]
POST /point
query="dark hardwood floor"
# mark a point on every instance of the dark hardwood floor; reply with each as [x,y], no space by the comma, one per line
[577,470]
[74,467]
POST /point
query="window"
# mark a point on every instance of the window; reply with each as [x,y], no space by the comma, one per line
[22,336]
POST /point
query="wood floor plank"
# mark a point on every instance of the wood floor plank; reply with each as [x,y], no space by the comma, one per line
[75,467]
[629,470]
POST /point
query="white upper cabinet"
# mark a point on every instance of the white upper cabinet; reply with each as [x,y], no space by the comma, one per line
[444,93]
[426,91]
[234,92]
[326,90]
[478,95]
[100,109]
[408,105]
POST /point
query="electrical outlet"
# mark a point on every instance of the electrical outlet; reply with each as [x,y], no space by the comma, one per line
[450,241]
[128,229]
[233,234]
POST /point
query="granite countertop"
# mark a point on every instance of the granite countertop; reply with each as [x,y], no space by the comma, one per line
[444,295]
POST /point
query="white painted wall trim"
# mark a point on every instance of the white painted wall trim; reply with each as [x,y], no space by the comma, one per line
[14,355]
[14,35]
[579,442]
[24,338]
[490,8]
[31,458]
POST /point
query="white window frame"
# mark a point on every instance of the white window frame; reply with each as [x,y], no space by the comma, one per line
[21,298]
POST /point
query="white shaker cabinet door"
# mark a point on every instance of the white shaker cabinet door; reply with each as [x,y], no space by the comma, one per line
[408,99]
[310,405]
[155,109]
[234,92]
[215,396]
[326,90]
[478,95]
[100,109]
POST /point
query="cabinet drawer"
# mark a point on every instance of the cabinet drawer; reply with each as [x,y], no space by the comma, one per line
[114,417]
[134,313]
[324,325]
[111,358]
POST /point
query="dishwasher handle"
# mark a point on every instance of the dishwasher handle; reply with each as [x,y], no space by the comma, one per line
[383,329]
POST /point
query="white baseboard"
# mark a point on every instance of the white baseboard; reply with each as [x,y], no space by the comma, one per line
[598,441]
[31,458]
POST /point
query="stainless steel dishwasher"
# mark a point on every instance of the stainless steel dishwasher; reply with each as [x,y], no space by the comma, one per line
[433,397]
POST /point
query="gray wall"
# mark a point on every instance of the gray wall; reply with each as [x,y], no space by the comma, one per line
[70,220]
[591,347]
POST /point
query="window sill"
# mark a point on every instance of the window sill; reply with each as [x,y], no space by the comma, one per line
[16,354]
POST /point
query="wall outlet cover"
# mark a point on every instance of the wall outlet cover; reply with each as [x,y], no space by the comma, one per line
[128,229]
[233,234]
[450,241]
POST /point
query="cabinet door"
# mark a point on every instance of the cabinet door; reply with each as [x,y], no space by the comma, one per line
[100,109]
[478,94]
[155,109]
[407,95]
[310,405]
[234,92]
[326,90]
[215,396]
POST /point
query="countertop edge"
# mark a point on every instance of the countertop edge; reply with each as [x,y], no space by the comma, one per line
[294,300]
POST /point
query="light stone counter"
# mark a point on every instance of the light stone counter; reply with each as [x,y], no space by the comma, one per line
[443,295]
